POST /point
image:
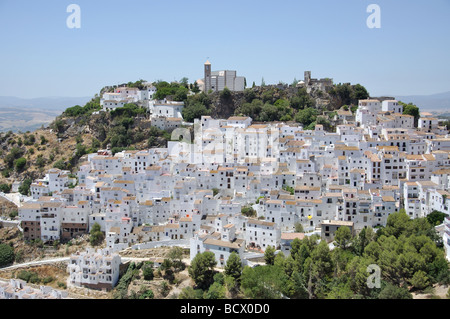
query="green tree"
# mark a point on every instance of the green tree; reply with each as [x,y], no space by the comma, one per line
[249,95]
[215,291]
[269,255]
[20,164]
[24,188]
[40,161]
[397,223]
[181,94]
[195,87]
[264,282]
[184,81]
[233,267]
[147,294]
[5,188]
[411,109]
[61,164]
[279,111]
[360,242]
[252,109]
[420,280]
[341,291]
[225,94]
[176,255]
[343,92]
[96,235]
[195,111]
[394,292]
[306,116]
[6,255]
[299,228]
[343,237]
[436,217]
[359,93]
[320,270]
[288,188]
[147,271]
[357,274]
[164,288]
[190,293]
[202,270]
[248,211]
[13,154]
[302,100]
[439,270]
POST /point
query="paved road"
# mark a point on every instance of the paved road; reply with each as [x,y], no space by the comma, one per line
[37,262]
[66,259]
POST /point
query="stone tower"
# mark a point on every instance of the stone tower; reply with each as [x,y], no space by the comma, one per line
[307,77]
[207,76]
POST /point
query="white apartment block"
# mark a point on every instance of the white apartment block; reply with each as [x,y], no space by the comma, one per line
[169,109]
[261,234]
[95,269]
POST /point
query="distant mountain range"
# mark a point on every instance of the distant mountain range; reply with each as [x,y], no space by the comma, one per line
[19,114]
[48,103]
[439,102]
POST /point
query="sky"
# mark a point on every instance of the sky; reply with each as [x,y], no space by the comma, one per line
[122,41]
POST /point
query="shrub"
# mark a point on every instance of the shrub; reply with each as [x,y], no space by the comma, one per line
[29,276]
[6,255]
[148,294]
[148,272]
[47,280]
[5,188]
[20,164]
[25,187]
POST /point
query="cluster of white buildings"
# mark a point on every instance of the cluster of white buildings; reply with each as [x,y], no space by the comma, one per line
[124,94]
[192,191]
[164,114]
[18,289]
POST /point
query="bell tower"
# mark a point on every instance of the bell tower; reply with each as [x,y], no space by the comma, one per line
[207,76]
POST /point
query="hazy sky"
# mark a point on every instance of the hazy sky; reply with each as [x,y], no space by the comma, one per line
[121,41]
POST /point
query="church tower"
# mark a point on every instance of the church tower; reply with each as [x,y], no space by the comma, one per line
[207,76]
